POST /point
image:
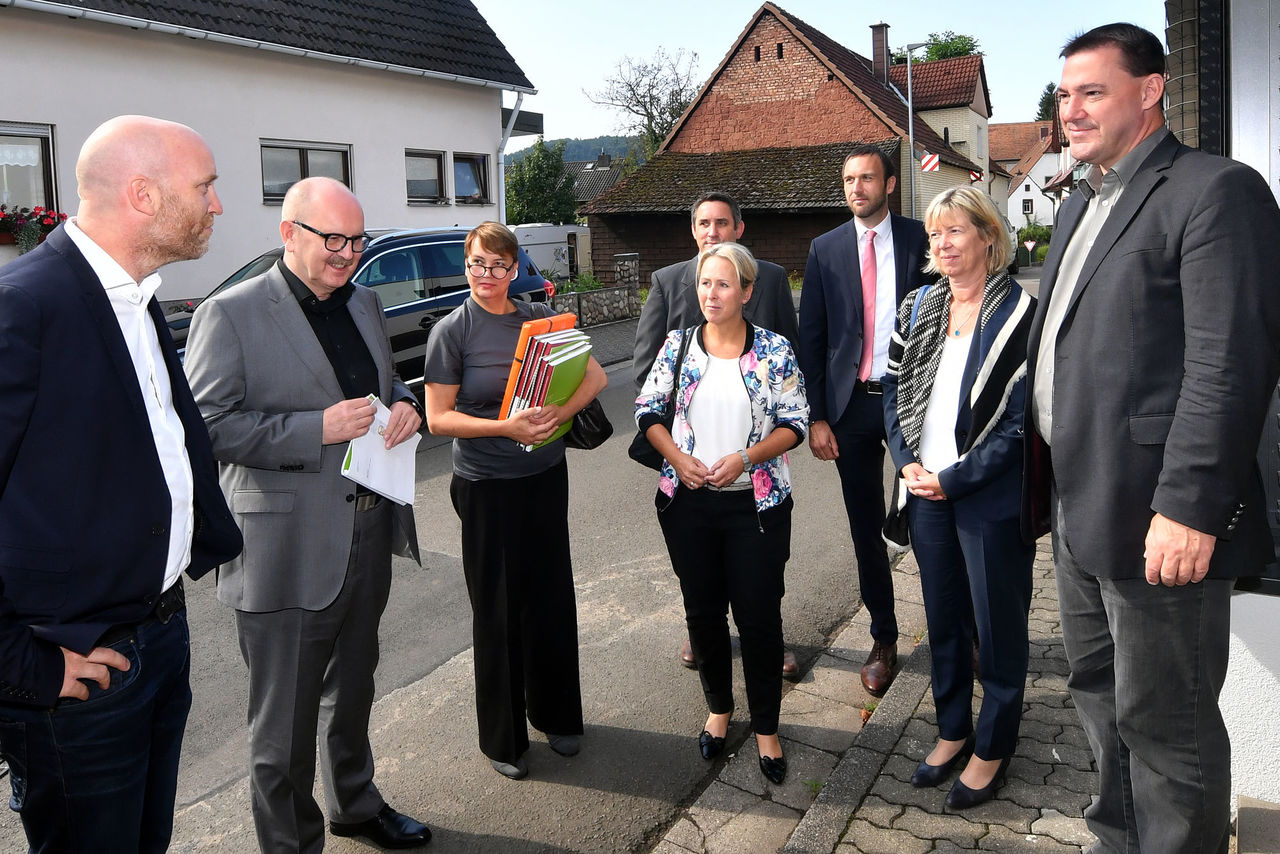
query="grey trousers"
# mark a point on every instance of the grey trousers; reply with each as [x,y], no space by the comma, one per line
[1147,666]
[310,669]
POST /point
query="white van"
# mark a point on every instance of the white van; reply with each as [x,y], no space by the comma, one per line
[560,251]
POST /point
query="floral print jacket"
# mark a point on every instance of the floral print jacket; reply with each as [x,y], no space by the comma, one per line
[774,385]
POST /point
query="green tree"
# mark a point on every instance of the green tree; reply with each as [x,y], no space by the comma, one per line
[1048,103]
[652,94]
[538,188]
[944,45]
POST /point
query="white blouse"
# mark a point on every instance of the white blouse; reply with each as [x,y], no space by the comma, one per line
[720,414]
[938,436]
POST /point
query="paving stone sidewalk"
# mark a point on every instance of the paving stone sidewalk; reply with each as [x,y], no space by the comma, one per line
[848,786]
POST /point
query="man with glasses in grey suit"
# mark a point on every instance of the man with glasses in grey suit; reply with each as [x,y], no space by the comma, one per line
[282,366]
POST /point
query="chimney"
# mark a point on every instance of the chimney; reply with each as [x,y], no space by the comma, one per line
[880,51]
[603,161]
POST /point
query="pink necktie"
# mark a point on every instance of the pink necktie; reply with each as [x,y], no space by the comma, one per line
[868,307]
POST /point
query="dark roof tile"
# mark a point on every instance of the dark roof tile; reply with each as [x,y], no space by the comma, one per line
[443,36]
[942,83]
[803,178]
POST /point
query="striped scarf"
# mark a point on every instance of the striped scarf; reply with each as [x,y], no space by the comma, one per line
[914,359]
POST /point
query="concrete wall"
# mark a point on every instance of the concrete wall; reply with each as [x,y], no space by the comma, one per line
[235,97]
[775,103]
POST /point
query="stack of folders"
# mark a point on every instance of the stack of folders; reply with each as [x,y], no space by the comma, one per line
[547,368]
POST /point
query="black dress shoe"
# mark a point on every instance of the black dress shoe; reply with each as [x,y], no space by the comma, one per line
[518,771]
[387,829]
[774,770]
[710,745]
[565,745]
[931,775]
[961,797]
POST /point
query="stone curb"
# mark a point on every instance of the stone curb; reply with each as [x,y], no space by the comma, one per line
[825,821]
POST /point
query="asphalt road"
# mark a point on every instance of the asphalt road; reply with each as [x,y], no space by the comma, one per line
[639,765]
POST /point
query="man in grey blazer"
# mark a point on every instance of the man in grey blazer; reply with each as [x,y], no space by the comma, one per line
[281,366]
[1153,356]
[673,304]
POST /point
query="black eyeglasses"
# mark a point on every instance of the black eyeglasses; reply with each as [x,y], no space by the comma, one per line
[337,242]
[496,270]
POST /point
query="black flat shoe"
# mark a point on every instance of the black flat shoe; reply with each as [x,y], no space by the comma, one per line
[961,797]
[518,771]
[565,745]
[387,829]
[931,775]
[710,745]
[774,770]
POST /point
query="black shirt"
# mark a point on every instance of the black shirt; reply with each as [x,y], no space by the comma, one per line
[337,333]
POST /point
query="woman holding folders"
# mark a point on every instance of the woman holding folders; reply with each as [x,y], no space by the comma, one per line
[724,493]
[517,565]
[953,404]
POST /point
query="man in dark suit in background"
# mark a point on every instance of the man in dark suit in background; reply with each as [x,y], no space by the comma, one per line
[1153,356]
[853,285]
[673,304]
[108,493]
[281,366]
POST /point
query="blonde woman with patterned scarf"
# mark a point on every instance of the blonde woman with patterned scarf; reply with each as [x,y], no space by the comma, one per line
[953,415]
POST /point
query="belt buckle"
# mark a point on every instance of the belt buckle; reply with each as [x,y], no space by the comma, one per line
[874,387]
[368,501]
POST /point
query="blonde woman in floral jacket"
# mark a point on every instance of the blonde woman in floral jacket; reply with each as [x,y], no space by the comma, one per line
[724,494]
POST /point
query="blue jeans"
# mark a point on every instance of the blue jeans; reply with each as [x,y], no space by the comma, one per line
[101,774]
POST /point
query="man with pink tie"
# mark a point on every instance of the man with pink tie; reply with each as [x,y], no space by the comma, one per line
[855,277]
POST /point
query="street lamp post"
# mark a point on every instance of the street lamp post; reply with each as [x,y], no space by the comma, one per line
[911,126]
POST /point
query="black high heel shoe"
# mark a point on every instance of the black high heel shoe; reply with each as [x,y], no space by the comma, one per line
[961,797]
[931,775]
[774,770]
[710,745]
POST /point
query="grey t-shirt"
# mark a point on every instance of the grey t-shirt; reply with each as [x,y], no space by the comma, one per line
[473,349]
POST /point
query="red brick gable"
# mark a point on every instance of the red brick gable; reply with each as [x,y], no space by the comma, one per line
[774,103]
[818,92]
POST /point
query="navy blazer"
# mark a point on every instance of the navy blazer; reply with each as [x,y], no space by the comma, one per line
[989,476]
[830,344]
[1165,365]
[84,507]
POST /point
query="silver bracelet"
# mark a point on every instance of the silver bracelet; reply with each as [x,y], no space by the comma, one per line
[746,461]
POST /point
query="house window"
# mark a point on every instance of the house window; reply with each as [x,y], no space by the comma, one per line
[471,179]
[1044,131]
[757,53]
[1026,207]
[286,163]
[424,173]
[1027,188]
[779,50]
[26,166]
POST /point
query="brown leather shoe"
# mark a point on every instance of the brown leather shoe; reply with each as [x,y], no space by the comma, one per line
[790,669]
[686,655]
[877,673]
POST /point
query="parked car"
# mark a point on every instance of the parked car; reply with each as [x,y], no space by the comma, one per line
[418,275]
[1013,244]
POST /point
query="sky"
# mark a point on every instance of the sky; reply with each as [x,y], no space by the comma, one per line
[566,46]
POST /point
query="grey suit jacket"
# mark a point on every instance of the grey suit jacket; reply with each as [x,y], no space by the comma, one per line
[262,382]
[1164,365]
[673,304]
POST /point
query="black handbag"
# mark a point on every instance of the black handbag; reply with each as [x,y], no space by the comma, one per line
[643,452]
[591,427]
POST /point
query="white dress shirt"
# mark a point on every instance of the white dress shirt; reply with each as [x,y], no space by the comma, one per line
[129,302]
[886,290]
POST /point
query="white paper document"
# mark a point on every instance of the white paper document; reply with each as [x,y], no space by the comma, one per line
[369,463]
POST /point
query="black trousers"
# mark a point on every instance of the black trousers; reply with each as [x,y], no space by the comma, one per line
[515,555]
[860,437]
[728,555]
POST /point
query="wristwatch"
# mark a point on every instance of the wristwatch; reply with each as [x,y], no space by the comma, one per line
[746,461]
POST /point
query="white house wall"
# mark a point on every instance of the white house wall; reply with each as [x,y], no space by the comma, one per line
[235,97]
[1041,205]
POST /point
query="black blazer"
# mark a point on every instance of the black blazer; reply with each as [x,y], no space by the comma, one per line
[830,343]
[84,508]
[1165,365]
